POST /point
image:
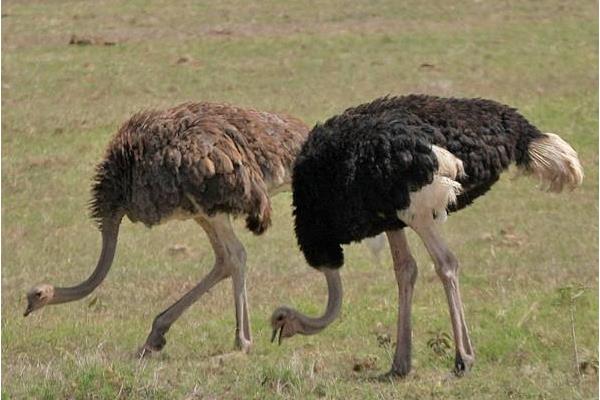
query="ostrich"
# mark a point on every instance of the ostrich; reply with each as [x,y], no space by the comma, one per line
[200,161]
[405,162]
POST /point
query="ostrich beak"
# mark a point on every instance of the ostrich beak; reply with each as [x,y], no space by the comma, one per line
[274,336]
[28,311]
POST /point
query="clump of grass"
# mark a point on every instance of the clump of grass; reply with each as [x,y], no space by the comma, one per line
[281,379]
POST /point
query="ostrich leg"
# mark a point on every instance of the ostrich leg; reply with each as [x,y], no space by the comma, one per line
[237,266]
[446,266]
[229,255]
[405,269]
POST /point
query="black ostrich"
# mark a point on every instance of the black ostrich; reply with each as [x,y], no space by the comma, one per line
[407,161]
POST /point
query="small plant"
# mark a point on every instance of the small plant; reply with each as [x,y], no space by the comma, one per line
[384,340]
[588,364]
[364,363]
[568,296]
[440,343]
[96,304]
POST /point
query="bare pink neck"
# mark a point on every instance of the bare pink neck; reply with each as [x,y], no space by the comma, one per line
[310,326]
[110,231]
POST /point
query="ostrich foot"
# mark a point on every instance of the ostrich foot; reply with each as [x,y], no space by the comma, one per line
[243,344]
[392,375]
[463,364]
[400,370]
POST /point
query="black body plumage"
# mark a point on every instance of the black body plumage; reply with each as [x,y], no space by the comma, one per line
[357,169]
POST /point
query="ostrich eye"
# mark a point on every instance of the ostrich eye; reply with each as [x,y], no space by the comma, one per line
[38,294]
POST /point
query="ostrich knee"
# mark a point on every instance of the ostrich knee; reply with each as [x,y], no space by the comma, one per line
[241,257]
[237,265]
[447,267]
[406,271]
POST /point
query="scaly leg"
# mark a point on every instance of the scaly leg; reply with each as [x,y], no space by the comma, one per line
[236,263]
[246,320]
[243,339]
[228,254]
[446,266]
[405,269]
[242,329]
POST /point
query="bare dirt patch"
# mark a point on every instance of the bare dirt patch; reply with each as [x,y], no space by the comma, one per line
[90,41]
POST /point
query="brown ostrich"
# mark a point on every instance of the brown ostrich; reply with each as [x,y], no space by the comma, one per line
[200,161]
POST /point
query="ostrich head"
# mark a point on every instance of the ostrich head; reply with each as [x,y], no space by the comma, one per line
[287,322]
[41,295]
[38,297]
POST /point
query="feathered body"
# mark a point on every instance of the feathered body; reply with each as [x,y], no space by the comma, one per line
[197,157]
[357,171]
[203,161]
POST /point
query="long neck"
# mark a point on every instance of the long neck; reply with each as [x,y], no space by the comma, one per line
[110,231]
[310,326]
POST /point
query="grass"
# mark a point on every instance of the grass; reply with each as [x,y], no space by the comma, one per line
[519,248]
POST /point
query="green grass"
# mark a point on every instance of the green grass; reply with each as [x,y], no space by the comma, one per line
[517,246]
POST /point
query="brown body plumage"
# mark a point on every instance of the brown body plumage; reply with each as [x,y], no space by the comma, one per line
[202,161]
[197,157]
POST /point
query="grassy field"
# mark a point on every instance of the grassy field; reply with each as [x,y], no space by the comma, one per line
[525,255]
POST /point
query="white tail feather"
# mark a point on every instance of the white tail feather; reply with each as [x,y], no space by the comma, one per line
[554,162]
